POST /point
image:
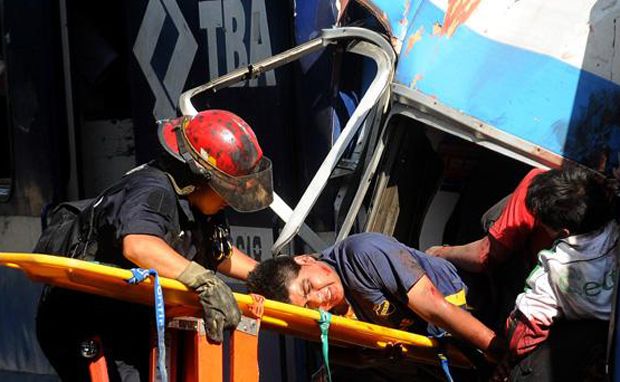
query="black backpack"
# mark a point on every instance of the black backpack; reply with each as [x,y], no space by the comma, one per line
[69,231]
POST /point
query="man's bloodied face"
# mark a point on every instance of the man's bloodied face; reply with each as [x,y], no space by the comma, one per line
[316,286]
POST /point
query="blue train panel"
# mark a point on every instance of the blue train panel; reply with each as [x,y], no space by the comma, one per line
[545,72]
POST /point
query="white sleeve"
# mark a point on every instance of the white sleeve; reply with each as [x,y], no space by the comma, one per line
[538,301]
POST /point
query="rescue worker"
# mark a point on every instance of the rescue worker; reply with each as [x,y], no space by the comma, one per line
[166,215]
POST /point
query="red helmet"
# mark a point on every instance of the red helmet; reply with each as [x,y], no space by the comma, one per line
[222,147]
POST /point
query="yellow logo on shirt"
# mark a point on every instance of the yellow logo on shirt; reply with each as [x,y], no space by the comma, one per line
[383,309]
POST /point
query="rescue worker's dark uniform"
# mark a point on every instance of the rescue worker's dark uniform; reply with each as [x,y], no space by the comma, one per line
[142,202]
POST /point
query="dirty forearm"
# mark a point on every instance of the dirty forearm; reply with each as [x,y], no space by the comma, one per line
[428,302]
[465,326]
[149,251]
[238,265]
[471,257]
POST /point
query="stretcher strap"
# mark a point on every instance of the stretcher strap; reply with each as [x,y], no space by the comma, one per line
[324,322]
[443,361]
[139,275]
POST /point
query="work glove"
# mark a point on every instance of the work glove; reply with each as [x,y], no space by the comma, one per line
[220,309]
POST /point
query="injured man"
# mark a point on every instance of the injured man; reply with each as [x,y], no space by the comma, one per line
[383,282]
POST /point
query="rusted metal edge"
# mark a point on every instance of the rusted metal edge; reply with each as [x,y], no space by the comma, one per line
[427,109]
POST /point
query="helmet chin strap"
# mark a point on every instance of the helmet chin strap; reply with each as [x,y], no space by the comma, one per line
[187,156]
[180,191]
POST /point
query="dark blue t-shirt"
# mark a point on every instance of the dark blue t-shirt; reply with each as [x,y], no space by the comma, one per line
[377,271]
[144,202]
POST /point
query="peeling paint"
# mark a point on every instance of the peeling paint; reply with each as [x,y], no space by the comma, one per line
[415,80]
[417,36]
[436,29]
[457,13]
[404,21]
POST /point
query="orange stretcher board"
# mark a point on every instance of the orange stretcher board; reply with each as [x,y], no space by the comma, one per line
[111,282]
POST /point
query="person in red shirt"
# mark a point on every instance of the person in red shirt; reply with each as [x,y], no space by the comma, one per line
[515,231]
[501,260]
[508,253]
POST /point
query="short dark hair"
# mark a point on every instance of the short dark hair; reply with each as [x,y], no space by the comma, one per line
[574,198]
[270,278]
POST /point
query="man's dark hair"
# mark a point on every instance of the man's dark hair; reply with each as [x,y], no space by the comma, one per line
[271,277]
[574,198]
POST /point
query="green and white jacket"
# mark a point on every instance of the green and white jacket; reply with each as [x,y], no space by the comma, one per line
[575,279]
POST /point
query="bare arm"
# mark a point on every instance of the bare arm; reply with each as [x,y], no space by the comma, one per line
[471,257]
[149,251]
[429,303]
[238,265]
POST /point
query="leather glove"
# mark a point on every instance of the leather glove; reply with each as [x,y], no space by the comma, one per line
[220,309]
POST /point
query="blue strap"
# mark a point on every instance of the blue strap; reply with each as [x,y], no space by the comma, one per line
[443,361]
[324,322]
[139,275]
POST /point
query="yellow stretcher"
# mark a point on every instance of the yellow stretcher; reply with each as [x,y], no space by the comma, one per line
[284,318]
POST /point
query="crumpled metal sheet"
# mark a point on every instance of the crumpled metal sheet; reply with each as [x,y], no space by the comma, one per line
[545,73]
